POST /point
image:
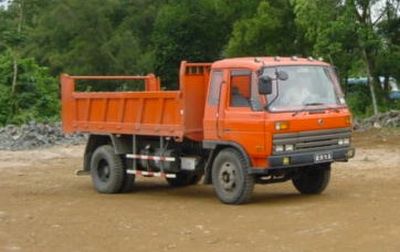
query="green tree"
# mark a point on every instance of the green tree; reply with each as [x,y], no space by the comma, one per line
[347,32]
[270,31]
[96,37]
[17,22]
[35,95]
[388,29]
[186,30]
[329,31]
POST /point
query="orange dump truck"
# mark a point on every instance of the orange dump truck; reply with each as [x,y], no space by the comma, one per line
[235,122]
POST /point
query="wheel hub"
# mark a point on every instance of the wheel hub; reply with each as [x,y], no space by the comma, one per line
[103,171]
[227,176]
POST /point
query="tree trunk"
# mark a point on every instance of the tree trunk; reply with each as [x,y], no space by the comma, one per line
[370,82]
[15,76]
[15,61]
[21,16]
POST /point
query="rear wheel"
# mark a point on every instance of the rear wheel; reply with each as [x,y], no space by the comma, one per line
[312,180]
[129,179]
[107,170]
[128,183]
[232,183]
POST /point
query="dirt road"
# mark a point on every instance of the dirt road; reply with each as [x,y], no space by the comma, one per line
[44,207]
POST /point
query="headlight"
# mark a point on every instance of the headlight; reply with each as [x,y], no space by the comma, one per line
[344,141]
[289,147]
[279,148]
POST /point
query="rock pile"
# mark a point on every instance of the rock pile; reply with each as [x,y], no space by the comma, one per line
[388,119]
[35,135]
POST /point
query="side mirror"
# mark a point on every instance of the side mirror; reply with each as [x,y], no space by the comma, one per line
[265,85]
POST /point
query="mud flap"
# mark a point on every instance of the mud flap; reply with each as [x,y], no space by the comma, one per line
[82,173]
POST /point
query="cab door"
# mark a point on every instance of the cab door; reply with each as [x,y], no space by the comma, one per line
[241,118]
[212,106]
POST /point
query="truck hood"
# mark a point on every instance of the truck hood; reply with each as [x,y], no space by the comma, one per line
[309,120]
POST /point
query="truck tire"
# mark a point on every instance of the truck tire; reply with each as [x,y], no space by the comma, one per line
[128,183]
[184,178]
[107,170]
[312,180]
[232,183]
[129,179]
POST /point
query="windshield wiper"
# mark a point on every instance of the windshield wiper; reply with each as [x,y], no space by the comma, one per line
[314,104]
[305,107]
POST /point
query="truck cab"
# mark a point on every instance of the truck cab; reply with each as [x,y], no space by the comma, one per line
[286,116]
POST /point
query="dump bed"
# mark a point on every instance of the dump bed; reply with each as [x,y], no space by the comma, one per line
[150,112]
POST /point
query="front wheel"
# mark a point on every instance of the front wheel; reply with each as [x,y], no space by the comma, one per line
[312,180]
[232,183]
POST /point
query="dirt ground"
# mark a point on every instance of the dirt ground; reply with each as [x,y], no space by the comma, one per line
[45,207]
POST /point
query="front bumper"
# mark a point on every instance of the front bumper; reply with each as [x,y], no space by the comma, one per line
[301,159]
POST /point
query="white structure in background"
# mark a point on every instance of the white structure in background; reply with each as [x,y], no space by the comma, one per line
[394,91]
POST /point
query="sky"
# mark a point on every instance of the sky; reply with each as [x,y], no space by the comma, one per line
[3,4]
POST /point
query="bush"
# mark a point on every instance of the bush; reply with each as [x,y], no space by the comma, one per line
[35,96]
[359,101]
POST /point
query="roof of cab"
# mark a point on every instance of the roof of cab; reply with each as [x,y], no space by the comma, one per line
[255,63]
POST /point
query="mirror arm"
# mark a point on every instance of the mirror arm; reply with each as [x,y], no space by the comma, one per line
[275,98]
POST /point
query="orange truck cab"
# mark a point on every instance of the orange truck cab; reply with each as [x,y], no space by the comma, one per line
[235,122]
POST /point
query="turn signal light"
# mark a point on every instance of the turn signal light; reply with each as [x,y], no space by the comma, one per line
[281,125]
[349,120]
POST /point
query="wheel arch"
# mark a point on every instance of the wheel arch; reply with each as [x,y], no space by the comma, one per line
[216,147]
[122,144]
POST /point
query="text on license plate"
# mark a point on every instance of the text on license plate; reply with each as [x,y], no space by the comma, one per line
[320,157]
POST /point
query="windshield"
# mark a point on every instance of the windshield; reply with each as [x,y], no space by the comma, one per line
[306,86]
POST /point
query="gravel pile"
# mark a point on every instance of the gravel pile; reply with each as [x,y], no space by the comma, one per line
[35,135]
[388,119]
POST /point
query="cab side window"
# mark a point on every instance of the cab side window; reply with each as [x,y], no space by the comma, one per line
[240,89]
[215,87]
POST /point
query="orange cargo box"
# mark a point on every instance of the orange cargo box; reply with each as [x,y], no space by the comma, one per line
[152,112]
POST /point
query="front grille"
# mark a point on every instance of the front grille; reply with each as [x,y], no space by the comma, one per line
[312,140]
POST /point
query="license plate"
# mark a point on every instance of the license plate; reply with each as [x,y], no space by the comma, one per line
[322,157]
